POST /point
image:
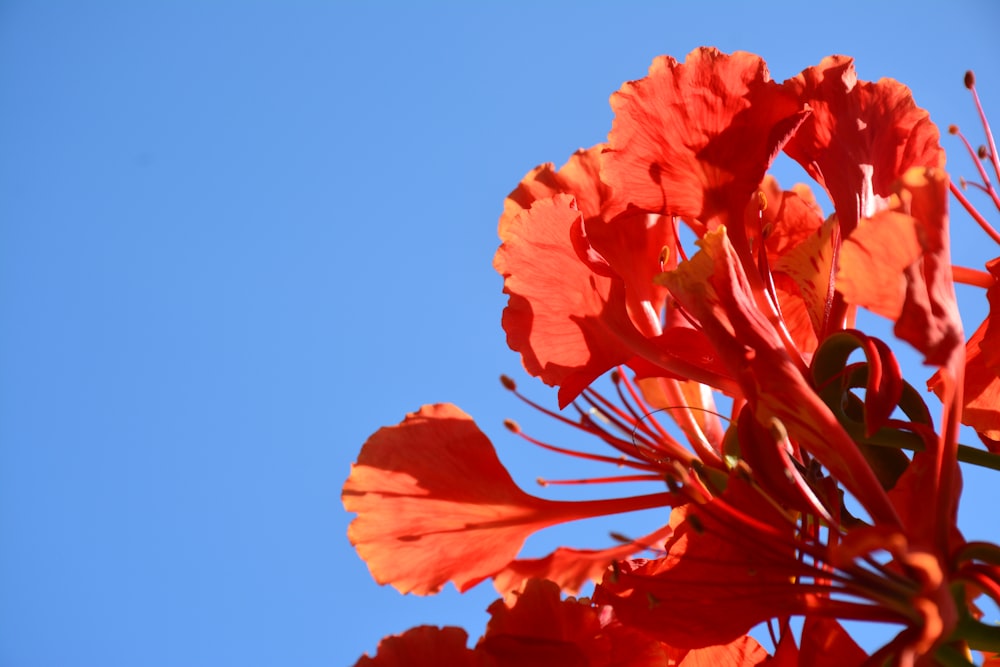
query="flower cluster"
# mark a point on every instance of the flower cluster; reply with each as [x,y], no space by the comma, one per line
[811,480]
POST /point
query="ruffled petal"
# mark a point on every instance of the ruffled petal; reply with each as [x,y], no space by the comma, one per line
[569,324]
[694,139]
[578,177]
[861,136]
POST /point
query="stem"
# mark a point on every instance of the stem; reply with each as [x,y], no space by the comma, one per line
[910,442]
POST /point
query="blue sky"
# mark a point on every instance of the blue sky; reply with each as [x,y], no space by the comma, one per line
[237,238]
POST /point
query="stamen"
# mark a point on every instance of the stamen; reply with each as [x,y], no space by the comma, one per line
[664,257]
[601,480]
[977,159]
[974,277]
[970,83]
[976,215]
[618,462]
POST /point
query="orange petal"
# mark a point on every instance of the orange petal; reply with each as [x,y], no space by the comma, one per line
[790,217]
[633,245]
[568,323]
[982,371]
[424,646]
[694,139]
[873,260]
[800,253]
[578,177]
[691,405]
[930,320]
[809,265]
[742,652]
[982,390]
[435,504]
[861,136]
[572,568]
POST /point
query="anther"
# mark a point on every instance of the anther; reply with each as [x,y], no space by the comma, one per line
[508,383]
[953,129]
[982,152]
[970,80]
[761,200]
[511,426]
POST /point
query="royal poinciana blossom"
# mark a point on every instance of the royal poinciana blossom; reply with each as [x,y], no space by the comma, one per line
[828,491]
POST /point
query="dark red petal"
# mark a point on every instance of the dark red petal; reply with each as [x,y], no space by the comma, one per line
[717,580]
[825,643]
[423,646]
[541,629]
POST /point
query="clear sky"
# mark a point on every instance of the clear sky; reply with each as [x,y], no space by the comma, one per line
[238,237]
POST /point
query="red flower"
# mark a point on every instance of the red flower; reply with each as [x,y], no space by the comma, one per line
[539,628]
[582,298]
[597,278]
[435,504]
